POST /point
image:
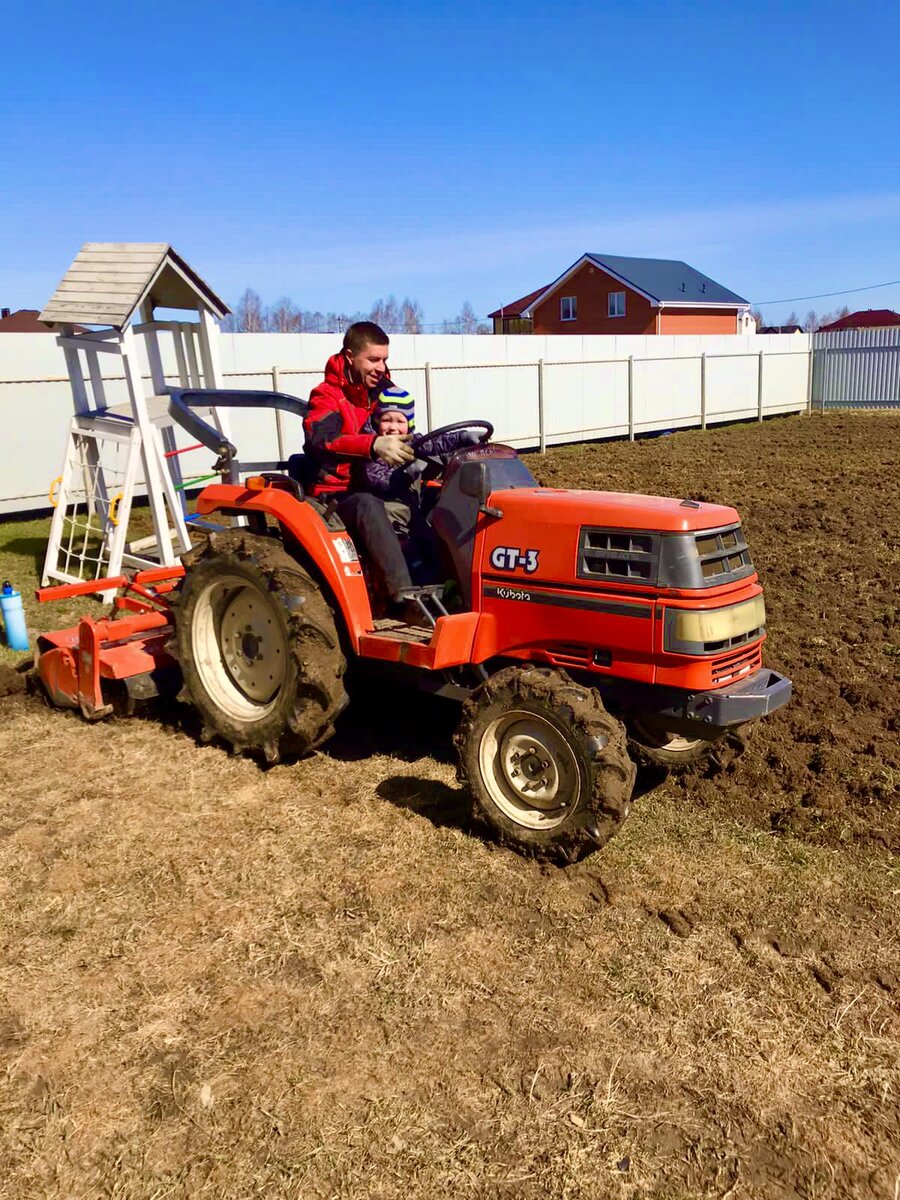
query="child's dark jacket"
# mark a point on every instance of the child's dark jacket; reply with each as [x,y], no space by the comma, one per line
[396,483]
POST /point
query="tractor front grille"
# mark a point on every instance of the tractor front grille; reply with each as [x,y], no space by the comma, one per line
[723,555]
[617,554]
[737,665]
[688,561]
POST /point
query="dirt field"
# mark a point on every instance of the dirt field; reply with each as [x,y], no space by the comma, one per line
[315,981]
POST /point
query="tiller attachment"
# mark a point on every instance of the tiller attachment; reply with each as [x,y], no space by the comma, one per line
[73,663]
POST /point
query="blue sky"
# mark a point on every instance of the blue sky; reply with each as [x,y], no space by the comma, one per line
[337,153]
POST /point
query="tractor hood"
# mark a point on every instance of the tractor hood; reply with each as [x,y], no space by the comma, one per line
[616,510]
[598,539]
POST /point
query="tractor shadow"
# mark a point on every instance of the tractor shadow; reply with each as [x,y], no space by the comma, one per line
[445,807]
[393,719]
[450,808]
[398,721]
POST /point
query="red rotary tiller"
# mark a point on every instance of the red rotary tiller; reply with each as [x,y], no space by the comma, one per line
[129,652]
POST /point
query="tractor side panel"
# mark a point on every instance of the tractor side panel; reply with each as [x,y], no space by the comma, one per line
[567,628]
[533,608]
[332,551]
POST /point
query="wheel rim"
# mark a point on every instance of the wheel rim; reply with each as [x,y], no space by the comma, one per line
[657,738]
[240,648]
[529,770]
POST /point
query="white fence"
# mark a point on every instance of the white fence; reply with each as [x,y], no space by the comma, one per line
[536,390]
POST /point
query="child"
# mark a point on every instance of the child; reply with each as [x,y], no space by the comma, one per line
[395,413]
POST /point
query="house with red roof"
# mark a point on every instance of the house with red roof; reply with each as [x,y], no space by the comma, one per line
[607,293]
[872,318]
[24,320]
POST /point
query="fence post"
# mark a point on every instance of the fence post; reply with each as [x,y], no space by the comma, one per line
[703,390]
[823,378]
[542,438]
[809,380]
[428,420]
[631,397]
[759,389]
[279,426]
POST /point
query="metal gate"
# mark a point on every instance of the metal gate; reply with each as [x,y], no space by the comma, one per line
[856,368]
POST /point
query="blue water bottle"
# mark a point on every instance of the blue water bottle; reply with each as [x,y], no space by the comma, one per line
[13,617]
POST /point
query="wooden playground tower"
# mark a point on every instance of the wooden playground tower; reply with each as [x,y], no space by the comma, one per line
[115,288]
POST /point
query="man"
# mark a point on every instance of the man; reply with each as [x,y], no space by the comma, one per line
[338,409]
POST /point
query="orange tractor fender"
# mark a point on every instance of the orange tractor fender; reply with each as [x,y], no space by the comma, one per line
[332,552]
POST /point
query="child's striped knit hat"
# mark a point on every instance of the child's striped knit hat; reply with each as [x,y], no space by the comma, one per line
[396,399]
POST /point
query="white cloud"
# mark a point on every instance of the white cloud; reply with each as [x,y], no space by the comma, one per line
[724,229]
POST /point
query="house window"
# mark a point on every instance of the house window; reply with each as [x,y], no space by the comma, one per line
[616,302]
[568,308]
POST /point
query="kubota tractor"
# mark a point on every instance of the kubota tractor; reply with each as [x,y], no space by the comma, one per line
[587,631]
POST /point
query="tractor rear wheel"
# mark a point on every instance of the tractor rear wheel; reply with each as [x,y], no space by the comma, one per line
[546,764]
[258,647]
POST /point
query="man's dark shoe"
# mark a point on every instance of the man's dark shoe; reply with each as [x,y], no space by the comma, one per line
[419,606]
[410,613]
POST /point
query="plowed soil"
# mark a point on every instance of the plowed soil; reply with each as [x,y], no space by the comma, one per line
[820,504]
[317,980]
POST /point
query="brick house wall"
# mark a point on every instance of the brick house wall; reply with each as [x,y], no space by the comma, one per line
[591,287]
[698,320]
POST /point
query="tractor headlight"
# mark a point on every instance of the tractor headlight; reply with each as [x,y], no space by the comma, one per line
[691,631]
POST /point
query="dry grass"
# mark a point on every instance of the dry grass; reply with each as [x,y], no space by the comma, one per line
[313,981]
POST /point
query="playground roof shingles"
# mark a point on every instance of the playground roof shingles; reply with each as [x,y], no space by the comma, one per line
[108,282]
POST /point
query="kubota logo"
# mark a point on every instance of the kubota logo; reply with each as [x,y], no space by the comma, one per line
[511,558]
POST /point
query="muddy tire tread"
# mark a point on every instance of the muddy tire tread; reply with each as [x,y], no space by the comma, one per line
[305,718]
[606,802]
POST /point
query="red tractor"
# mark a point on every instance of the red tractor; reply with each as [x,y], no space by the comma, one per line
[587,631]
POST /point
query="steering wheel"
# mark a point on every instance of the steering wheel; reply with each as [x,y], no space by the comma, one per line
[424,439]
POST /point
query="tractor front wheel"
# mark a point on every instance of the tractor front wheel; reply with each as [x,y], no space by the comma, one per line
[258,647]
[546,764]
[650,742]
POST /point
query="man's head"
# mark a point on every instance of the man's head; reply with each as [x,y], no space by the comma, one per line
[395,412]
[366,348]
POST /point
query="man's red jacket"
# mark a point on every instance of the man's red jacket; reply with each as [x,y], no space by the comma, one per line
[337,412]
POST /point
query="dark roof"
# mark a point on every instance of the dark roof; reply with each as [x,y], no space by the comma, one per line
[25,320]
[872,318]
[782,329]
[518,306]
[667,279]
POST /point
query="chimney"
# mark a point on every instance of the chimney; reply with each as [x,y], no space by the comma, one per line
[4,313]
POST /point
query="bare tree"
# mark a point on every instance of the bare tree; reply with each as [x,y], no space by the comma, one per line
[284,317]
[312,322]
[248,314]
[757,316]
[411,316]
[811,324]
[467,319]
[793,319]
[386,314]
